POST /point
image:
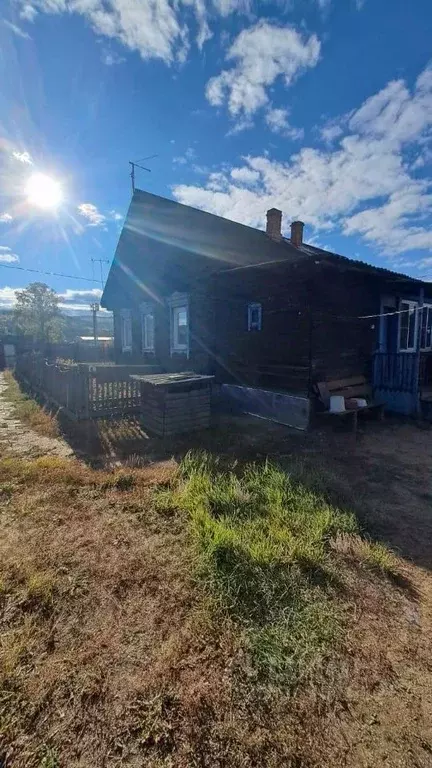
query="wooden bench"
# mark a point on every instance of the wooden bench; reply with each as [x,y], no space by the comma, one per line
[354,387]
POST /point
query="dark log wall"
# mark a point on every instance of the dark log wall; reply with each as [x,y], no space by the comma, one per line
[239,353]
[341,342]
[162,357]
[310,324]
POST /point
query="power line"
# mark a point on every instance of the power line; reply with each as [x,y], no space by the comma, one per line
[51,274]
[101,261]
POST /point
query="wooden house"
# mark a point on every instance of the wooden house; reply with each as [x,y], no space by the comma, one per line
[193,291]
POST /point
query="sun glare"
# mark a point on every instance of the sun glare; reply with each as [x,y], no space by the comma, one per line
[43,191]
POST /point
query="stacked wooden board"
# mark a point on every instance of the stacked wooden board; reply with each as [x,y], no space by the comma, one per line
[172,403]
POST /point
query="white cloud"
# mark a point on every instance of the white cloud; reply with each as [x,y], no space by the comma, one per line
[261,54]
[5,218]
[23,157]
[8,297]
[9,258]
[28,12]
[93,215]
[16,30]
[155,28]
[245,175]
[394,225]
[6,255]
[111,58]
[225,7]
[363,187]
[394,113]
[188,156]
[423,159]
[82,297]
[151,27]
[331,131]
[277,121]
[116,216]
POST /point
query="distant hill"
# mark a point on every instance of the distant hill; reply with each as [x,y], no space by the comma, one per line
[76,324]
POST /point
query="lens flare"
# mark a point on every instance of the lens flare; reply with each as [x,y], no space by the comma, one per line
[43,191]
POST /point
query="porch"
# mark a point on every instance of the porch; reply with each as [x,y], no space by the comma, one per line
[403,381]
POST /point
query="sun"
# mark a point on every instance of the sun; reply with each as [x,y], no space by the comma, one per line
[43,191]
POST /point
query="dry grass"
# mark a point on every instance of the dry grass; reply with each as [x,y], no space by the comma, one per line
[115,647]
[373,554]
[28,410]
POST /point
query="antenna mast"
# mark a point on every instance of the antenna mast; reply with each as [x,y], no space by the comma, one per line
[135,164]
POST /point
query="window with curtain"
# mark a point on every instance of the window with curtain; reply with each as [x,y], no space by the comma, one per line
[126,330]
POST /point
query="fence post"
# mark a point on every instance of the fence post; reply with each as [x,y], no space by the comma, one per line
[83,390]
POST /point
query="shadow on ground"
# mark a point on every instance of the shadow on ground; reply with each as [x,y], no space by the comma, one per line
[383,474]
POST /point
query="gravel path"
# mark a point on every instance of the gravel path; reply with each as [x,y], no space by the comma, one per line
[19,439]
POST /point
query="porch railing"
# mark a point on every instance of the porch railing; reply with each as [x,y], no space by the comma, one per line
[396,371]
[396,380]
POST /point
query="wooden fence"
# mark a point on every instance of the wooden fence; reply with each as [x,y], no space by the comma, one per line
[83,391]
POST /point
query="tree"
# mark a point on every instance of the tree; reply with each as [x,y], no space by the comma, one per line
[37,313]
[7,325]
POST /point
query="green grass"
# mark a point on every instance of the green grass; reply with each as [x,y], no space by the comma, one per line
[262,541]
[28,410]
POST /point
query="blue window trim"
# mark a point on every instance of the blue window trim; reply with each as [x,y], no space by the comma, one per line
[252,307]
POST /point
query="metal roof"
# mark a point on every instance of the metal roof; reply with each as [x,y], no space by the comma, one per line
[312,250]
[166,246]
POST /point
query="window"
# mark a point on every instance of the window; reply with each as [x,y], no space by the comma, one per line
[407,326]
[179,323]
[180,328]
[147,328]
[254,317]
[426,326]
[126,330]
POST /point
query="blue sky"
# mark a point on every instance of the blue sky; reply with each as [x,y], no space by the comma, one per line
[322,108]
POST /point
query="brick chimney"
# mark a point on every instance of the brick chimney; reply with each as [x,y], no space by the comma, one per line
[297,233]
[274,224]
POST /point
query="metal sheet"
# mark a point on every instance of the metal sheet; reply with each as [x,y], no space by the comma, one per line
[281,407]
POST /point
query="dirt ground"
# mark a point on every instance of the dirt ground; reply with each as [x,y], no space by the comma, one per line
[384,717]
[20,440]
[385,473]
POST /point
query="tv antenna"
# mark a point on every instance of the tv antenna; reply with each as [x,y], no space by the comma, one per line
[136,164]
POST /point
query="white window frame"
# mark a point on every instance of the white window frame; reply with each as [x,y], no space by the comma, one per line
[425,310]
[179,302]
[126,336]
[413,305]
[147,328]
[252,307]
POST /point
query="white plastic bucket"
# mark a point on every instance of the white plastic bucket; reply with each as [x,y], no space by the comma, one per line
[337,403]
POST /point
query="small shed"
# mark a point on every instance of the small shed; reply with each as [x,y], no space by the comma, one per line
[172,403]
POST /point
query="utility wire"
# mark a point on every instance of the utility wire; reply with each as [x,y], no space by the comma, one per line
[52,274]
